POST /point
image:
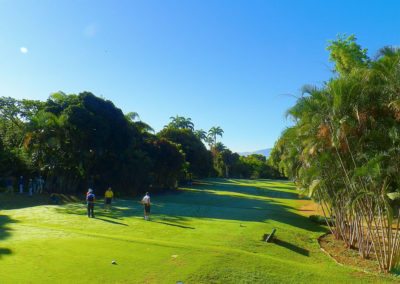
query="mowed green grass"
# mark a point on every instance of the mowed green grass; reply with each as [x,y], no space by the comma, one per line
[207,233]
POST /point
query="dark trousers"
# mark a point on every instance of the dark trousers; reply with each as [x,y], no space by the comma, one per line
[90,209]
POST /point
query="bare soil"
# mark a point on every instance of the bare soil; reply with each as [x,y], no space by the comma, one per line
[308,208]
[346,256]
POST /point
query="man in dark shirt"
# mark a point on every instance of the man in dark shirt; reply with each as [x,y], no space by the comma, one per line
[90,199]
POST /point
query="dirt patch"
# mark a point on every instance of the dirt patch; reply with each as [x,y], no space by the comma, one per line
[345,256]
[308,208]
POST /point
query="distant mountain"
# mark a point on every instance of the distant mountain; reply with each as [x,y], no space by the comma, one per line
[264,152]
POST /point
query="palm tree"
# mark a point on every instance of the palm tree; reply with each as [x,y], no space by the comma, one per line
[181,122]
[219,147]
[214,132]
[339,156]
[132,116]
[201,134]
[44,138]
[144,127]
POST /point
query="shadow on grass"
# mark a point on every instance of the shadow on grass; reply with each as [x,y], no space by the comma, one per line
[4,251]
[211,203]
[123,208]
[17,201]
[220,199]
[5,232]
[117,212]
[396,271]
[174,225]
[111,221]
[292,247]
[246,187]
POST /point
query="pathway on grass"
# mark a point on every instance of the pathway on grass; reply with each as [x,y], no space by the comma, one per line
[208,233]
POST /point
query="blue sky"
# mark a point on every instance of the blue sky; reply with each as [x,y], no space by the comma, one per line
[233,64]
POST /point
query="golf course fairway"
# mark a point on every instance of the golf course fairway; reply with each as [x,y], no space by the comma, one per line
[210,232]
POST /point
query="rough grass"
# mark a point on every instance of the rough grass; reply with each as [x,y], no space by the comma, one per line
[208,233]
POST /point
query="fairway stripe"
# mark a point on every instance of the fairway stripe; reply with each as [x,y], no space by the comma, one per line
[200,248]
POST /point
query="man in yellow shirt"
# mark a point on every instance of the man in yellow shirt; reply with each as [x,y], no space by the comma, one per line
[108,196]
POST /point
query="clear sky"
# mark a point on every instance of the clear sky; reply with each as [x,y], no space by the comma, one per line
[233,64]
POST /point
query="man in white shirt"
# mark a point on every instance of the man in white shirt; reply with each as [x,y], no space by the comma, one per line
[146,203]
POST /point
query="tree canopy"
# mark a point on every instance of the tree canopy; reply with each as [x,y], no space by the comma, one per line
[343,149]
[77,141]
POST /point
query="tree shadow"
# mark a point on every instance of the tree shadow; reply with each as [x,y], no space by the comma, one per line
[17,201]
[4,251]
[255,190]
[216,204]
[244,181]
[291,247]
[231,201]
[125,208]
[117,212]
[5,232]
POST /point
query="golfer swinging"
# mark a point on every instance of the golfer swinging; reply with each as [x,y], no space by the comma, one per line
[146,203]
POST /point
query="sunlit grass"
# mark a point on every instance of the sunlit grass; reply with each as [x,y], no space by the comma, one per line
[209,233]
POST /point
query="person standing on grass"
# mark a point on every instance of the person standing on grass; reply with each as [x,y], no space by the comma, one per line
[30,187]
[108,196]
[90,199]
[40,184]
[146,203]
[21,184]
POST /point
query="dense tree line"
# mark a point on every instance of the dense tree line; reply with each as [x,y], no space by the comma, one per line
[77,141]
[80,141]
[344,149]
[255,166]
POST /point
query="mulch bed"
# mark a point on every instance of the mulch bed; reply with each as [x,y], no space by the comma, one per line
[345,256]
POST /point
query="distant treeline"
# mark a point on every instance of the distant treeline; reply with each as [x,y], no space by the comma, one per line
[77,141]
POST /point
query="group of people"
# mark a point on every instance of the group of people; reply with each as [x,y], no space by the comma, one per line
[34,186]
[108,197]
